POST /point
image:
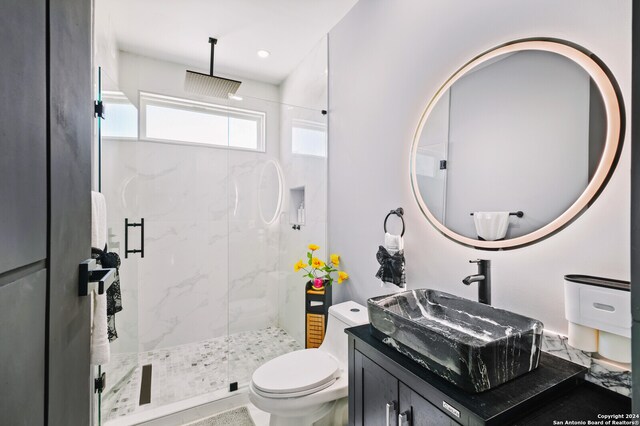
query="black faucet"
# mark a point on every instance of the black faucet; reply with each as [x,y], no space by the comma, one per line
[483,278]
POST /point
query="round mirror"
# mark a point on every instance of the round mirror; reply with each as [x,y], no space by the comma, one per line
[516,144]
[270,192]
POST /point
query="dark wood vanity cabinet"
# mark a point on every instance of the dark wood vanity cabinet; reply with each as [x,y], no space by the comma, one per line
[415,410]
[380,399]
[376,393]
[388,388]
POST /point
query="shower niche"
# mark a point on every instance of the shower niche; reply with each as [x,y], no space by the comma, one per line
[297,206]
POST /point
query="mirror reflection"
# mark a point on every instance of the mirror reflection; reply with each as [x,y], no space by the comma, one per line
[521,132]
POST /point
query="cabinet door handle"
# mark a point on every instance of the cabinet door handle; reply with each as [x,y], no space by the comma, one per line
[391,412]
[404,419]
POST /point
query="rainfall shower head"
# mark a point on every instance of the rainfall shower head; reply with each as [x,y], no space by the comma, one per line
[209,84]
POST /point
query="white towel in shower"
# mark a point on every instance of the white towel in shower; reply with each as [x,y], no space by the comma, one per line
[491,226]
[100,350]
[98,220]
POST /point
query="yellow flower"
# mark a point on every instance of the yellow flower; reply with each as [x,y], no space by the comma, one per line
[342,276]
[335,259]
[299,265]
[317,263]
[313,247]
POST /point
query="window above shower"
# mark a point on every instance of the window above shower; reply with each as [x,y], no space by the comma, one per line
[176,120]
[309,138]
[122,114]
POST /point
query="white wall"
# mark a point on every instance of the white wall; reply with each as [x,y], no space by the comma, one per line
[105,48]
[380,82]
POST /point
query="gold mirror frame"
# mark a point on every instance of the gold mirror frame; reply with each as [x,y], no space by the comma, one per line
[614,109]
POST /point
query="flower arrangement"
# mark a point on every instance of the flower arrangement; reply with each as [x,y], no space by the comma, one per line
[319,272]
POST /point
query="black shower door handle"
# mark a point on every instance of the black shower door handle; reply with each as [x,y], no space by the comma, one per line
[127,225]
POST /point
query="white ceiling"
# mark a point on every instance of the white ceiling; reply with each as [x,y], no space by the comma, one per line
[179,30]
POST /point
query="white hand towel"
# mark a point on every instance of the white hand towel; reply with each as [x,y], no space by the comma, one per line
[491,226]
[98,220]
[100,350]
[393,243]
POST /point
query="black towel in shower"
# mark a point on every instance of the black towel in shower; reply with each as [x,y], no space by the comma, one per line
[391,266]
[114,296]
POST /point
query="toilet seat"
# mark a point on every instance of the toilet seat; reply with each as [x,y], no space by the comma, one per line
[296,374]
[292,394]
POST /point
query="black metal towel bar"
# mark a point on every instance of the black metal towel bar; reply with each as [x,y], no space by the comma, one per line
[91,277]
[398,212]
[519,213]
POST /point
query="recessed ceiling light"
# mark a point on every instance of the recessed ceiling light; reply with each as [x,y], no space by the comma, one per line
[263,53]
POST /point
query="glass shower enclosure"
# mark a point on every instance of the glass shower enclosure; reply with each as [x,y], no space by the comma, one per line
[202,206]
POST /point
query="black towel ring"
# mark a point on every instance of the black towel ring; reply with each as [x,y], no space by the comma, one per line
[398,212]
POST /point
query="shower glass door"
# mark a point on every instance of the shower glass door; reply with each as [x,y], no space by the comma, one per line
[211,190]
[168,180]
[266,235]
[255,191]
[117,155]
[182,168]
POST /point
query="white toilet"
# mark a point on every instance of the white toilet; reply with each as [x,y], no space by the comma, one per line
[310,386]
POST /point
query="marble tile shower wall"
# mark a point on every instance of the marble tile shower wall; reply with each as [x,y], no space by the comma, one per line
[210,264]
[183,278]
[253,248]
[119,186]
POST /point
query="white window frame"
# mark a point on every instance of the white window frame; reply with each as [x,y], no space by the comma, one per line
[154,99]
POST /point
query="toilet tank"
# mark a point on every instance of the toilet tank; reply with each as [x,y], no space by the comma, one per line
[341,316]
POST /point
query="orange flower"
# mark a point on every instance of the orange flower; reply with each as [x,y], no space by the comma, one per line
[313,247]
[335,259]
[317,263]
[342,276]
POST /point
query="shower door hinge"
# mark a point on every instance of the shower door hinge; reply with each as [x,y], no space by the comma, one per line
[98,109]
[233,387]
[100,383]
[443,164]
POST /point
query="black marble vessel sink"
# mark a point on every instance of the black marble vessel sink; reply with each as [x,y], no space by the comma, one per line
[474,346]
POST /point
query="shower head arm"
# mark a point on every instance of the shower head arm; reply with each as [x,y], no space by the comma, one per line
[208,84]
[213,42]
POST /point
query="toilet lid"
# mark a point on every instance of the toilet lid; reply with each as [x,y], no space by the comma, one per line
[295,372]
